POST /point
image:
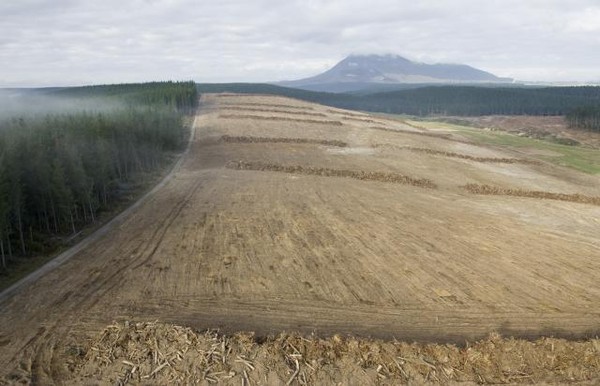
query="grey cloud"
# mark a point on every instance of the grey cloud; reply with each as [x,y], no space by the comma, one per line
[64,42]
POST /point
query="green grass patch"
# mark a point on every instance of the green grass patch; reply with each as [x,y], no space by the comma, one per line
[577,157]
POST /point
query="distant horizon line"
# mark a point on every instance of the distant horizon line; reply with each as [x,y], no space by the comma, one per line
[558,83]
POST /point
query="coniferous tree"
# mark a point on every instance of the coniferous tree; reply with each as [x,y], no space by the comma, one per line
[58,170]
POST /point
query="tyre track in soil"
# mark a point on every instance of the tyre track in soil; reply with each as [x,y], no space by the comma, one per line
[235,315]
[387,283]
[41,346]
[266,317]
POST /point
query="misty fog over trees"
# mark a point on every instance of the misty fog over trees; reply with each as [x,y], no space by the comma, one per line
[60,168]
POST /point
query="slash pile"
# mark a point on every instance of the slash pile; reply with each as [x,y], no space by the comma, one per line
[157,353]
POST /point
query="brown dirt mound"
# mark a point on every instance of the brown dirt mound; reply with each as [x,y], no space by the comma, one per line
[422,133]
[247,139]
[238,95]
[305,113]
[268,105]
[242,116]
[156,353]
[325,172]
[347,118]
[497,191]
[415,126]
[462,156]
[346,114]
[550,128]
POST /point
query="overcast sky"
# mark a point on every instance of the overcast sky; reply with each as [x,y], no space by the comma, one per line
[74,42]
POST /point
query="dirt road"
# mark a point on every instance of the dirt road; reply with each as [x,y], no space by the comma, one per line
[273,247]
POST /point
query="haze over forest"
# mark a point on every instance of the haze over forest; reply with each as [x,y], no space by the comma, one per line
[63,42]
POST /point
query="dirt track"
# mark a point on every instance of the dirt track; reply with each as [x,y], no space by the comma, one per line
[266,251]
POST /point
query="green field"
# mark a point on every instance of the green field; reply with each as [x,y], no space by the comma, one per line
[580,158]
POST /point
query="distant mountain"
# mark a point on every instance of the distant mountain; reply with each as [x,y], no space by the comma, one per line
[357,72]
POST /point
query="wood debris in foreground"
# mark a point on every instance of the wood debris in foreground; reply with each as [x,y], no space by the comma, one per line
[166,354]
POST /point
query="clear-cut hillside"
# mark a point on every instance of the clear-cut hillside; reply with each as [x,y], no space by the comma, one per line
[285,215]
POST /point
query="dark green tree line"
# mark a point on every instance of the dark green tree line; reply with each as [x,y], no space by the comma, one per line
[428,100]
[58,171]
[587,118]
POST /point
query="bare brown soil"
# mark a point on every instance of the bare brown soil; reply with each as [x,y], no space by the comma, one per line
[166,354]
[272,118]
[269,251]
[494,190]
[461,156]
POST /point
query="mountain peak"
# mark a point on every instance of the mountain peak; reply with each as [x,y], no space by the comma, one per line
[388,56]
[374,59]
[373,69]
